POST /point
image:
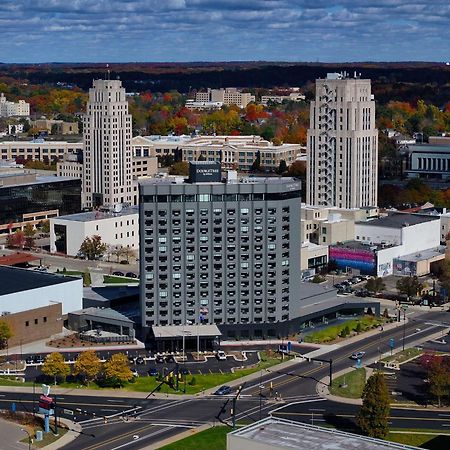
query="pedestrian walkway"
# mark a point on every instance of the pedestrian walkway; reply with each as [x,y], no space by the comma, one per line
[96,278]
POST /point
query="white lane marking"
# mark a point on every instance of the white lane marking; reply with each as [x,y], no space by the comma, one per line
[316,409]
[140,439]
[299,403]
[109,410]
[418,332]
[115,400]
[444,415]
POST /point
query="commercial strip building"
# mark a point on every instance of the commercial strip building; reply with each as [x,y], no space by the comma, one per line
[275,433]
[115,226]
[33,303]
[342,144]
[399,244]
[11,109]
[226,251]
[27,198]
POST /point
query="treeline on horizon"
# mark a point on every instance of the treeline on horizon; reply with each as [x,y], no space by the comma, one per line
[390,81]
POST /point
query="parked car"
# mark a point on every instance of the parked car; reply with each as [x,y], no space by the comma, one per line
[159,358]
[153,371]
[140,360]
[223,390]
[118,274]
[135,373]
[131,275]
[357,355]
[131,359]
[221,355]
[170,359]
[29,359]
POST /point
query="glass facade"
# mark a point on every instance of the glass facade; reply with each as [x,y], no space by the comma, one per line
[18,200]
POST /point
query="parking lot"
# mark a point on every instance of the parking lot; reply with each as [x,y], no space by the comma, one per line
[144,363]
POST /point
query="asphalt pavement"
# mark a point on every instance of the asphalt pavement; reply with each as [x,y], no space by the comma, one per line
[134,423]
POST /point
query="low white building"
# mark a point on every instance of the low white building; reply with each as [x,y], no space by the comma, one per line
[402,237]
[119,227]
[9,109]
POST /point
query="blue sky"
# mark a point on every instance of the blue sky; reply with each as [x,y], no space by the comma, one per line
[223,30]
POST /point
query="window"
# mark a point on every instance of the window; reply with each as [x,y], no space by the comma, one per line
[45,319]
[27,323]
[35,321]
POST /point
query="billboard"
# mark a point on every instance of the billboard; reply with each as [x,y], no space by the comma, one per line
[360,259]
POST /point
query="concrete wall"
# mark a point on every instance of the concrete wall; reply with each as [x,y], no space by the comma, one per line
[120,230]
[69,294]
[377,235]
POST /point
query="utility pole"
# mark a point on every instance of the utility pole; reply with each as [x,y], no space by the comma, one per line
[404,328]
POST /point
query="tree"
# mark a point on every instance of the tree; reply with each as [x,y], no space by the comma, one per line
[117,370]
[297,169]
[16,239]
[410,286]
[54,365]
[128,253]
[179,168]
[88,365]
[54,129]
[256,166]
[375,285]
[44,226]
[92,248]
[29,233]
[373,417]
[5,333]
[438,371]
[282,168]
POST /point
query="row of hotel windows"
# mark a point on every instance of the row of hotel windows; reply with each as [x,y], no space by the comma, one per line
[217,211]
[178,198]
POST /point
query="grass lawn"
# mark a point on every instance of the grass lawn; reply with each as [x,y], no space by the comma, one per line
[355,382]
[48,438]
[211,439]
[332,332]
[431,442]
[404,355]
[11,381]
[111,279]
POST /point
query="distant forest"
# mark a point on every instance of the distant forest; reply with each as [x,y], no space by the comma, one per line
[391,81]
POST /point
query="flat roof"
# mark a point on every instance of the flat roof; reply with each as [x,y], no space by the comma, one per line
[17,258]
[429,148]
[39,180]
[424,255]
[280,433]
[177,331]
[240,180]
[18,280]
[91,216]
[108,293]
[399,220]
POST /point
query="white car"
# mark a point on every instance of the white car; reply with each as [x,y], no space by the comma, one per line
[221,355]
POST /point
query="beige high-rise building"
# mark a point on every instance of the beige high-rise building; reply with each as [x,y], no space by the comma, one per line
[107,169]
[342,144]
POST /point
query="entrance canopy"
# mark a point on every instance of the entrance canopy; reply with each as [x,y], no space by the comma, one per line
[178,331]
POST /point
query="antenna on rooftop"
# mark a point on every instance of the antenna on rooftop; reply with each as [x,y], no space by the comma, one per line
[108,72]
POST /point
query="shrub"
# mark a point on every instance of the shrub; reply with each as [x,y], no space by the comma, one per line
[192,381]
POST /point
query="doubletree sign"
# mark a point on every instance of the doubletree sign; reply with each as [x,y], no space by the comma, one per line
[204,172]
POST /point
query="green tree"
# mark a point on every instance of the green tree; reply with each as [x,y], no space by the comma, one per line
[44,226]
[54,129]
[116,370]
[88,365]
[373,417]
[410,286]
[375,285]
[86,278]
[5,333]
[179,168]
[256,166]
[282,168]
[93,248]
[54,366]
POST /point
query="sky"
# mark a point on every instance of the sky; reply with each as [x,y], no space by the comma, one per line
[224,30]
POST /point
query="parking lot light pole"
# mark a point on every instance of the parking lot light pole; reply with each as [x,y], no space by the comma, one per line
[404,327]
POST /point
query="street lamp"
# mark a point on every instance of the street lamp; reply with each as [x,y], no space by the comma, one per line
[29,437]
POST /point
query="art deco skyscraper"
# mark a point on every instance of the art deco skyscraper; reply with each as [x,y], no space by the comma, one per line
[342,144]
[107,129]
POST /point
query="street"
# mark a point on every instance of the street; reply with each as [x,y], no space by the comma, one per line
[149,421]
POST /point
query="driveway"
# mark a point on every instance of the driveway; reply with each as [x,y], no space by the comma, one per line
[11,435]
